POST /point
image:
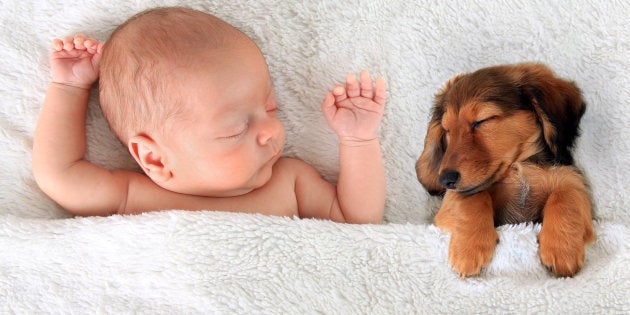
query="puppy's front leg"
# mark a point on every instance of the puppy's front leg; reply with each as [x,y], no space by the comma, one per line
[470,220]
[567,224]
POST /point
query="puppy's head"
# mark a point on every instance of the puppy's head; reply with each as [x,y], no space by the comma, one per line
[485,121]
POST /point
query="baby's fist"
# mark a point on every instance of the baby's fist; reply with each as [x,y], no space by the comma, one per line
[354,112]
[75,61]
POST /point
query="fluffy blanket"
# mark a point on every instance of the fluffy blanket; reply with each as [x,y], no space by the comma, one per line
[217,262]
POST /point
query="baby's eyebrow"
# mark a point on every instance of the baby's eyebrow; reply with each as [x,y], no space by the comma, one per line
[235,121]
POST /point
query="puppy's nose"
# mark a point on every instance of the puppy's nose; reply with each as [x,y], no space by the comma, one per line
[449,179]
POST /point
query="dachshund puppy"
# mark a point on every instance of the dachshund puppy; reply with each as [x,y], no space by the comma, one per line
[498,148]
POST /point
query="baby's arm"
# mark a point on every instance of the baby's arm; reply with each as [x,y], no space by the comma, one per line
[355,113]
[59,141]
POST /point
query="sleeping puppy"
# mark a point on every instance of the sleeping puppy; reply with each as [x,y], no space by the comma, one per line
[498,148]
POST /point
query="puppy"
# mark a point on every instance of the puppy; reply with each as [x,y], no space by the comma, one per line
[498,148]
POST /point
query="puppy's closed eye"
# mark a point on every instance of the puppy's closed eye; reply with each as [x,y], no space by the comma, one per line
[475,125]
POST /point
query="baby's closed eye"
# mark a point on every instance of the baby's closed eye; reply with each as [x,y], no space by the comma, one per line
[236,132]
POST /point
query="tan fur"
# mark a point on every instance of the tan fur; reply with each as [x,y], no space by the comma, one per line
[502,130]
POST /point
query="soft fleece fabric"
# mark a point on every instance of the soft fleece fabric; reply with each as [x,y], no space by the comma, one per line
[217,262]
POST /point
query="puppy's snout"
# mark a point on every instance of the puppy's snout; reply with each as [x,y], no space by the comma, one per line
[449,179]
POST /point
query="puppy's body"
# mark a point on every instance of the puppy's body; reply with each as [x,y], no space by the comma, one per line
[499,148]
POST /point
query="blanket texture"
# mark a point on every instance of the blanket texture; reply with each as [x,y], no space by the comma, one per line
[216,262]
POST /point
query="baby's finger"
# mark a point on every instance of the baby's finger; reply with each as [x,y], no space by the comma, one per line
[340,93]
[79,41]
[381,91]
[328,106]
[57,44]
[352,85]
[366,85]
[92,45]
[68,43]
[96,51]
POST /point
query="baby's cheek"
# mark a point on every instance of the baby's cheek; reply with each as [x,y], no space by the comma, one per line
[234,171]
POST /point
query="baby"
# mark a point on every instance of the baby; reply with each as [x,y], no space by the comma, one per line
[191,98]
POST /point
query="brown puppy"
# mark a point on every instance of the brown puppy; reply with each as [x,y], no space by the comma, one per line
[498,147]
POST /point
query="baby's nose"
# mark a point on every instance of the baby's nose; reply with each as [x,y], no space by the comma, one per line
[264,137]
[268,131]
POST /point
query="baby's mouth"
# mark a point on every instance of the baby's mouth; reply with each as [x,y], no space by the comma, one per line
[278,150]
[275,156]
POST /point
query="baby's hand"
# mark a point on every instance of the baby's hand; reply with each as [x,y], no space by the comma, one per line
[355,112]
[75,61]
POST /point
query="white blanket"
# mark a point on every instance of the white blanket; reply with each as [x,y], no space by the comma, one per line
[217,262]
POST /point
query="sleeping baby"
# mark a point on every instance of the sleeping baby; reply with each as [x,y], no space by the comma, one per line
[191,98]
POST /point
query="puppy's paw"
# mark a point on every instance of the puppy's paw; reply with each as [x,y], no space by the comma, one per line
[469,254]
[562,253]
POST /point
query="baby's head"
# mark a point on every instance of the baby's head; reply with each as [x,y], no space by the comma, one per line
[191,98]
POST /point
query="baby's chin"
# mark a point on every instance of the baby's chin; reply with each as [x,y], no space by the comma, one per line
[213,192]
[259,180]
[231,193]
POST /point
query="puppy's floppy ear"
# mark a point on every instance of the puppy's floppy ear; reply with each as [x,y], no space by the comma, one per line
[428,165]
[558,105]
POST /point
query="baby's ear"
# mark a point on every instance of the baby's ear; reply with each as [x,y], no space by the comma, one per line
[150,157]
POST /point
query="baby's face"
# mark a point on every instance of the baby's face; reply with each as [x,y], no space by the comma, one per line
[228,142]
